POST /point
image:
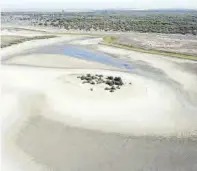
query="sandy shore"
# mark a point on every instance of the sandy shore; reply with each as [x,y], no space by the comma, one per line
[167,65]
[51,121]
[55,61]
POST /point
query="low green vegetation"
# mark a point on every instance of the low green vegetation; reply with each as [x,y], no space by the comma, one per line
[112,41]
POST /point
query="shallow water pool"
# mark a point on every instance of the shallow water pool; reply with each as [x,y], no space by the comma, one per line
[86,54]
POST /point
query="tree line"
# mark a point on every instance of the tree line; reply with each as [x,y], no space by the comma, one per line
[184,22]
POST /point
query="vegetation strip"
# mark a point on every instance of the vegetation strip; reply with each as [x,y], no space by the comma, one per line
[27,39]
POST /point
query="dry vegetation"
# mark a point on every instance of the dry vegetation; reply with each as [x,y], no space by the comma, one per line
[140,45]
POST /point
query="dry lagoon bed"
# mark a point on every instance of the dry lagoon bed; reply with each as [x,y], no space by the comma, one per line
[52,121]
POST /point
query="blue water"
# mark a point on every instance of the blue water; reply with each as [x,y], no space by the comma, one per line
[86,54]
[95,56]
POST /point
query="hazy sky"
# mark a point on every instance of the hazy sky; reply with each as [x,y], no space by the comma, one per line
[96,4]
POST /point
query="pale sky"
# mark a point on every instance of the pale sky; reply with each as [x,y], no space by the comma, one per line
[95,4]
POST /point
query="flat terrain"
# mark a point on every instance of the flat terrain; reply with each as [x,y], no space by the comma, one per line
[185,44]
[57,123]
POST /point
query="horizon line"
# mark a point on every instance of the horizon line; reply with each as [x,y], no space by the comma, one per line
[87,9]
